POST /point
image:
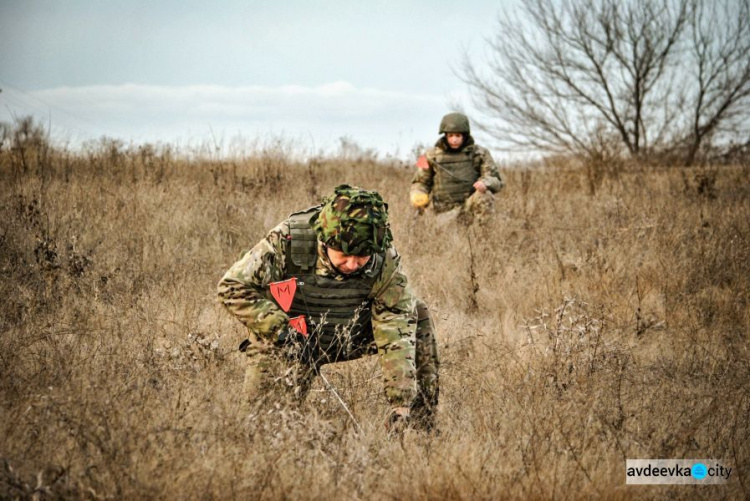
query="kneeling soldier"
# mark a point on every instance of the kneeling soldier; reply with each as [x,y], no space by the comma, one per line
[456,173]
[326,286]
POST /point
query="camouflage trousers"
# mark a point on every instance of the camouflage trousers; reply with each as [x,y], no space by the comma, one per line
[273,375]
[479,207]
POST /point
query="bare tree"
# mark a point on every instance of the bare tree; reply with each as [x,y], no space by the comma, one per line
[591,75]
[718,73]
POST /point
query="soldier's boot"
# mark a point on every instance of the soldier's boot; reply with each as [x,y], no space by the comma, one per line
[424,407]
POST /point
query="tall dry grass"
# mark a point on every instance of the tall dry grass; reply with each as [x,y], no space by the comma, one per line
[595,319]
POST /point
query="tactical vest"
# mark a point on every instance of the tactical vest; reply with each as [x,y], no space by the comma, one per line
[455,175]
[338,312]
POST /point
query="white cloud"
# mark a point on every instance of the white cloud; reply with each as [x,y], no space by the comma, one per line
[374,118]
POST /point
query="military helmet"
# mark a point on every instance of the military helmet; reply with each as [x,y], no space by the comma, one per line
[455,122]
[354,221]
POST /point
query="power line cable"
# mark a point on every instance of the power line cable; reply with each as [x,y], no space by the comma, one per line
[17,106]
[65,112]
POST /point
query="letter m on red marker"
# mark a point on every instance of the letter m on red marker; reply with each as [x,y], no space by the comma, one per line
[283,292]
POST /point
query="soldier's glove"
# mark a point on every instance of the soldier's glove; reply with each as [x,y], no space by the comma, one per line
[293,345]
[419,199]
[244,345]
[398,421]
[287,336]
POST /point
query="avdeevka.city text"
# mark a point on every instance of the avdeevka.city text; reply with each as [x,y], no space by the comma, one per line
[677,471]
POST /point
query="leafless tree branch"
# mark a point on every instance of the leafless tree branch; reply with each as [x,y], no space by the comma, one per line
[650,75]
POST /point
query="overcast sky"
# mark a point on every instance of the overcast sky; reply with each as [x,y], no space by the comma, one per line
[381,73]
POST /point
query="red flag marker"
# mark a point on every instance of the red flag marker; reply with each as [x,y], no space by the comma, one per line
[283,292]
[422,163]
[299,324]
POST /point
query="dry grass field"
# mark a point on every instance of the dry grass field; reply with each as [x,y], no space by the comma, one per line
[597,318]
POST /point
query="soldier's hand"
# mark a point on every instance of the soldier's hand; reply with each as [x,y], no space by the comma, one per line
[286,336]
[480,187]
[419,199]
[293,345]
[289,340]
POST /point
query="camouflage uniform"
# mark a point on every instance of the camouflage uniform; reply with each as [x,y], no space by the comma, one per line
[371,311]
[448,175]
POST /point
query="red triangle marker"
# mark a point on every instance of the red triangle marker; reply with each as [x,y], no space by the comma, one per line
[422,163]
[299,324]
[283,292]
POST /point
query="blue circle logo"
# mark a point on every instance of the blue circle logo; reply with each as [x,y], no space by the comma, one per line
[698,471]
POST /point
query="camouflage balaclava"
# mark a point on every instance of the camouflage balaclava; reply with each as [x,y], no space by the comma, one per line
[354,221]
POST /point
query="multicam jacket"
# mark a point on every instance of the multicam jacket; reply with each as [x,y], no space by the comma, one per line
[383,287]
[449,176]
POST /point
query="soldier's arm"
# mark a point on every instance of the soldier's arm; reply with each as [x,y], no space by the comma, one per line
[243,289]
[489,175]
[394,325]
[423,177]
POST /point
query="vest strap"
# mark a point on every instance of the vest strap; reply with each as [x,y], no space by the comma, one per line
[302,248]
